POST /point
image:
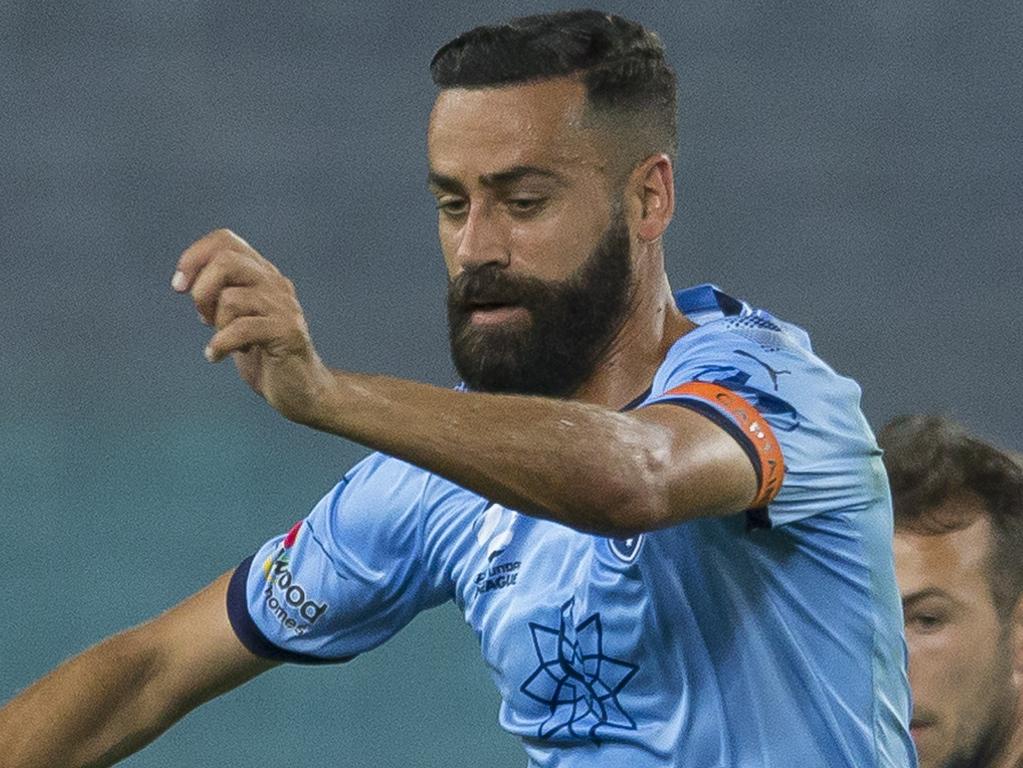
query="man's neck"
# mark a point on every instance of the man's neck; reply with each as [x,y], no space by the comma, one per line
[627,367]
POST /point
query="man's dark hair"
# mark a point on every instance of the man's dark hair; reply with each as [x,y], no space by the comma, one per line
[622,65]
[932,459]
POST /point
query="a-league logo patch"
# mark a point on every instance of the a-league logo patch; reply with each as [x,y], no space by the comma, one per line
[494,532]
[626,550]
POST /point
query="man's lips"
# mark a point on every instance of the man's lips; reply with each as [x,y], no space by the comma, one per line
[486,313]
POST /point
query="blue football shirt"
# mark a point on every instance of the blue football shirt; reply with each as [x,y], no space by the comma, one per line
[769,639]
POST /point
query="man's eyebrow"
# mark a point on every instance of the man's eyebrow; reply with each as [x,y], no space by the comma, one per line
[518,173]
[497,179]
[444,183]
[919,596]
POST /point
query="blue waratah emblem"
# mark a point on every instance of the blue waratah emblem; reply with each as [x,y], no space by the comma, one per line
[576,680]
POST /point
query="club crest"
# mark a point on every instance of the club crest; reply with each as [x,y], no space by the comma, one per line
[626,550]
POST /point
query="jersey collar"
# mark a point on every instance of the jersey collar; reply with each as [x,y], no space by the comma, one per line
[708,302]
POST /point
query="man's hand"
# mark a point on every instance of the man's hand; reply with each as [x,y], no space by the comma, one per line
[258,321]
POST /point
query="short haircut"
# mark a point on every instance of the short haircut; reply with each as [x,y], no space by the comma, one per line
[628,81]
[931,459]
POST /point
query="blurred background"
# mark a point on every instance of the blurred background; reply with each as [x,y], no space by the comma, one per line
[857,168]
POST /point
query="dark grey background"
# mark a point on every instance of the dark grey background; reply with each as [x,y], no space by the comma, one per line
[854,167]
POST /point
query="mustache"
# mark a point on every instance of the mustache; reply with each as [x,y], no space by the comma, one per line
[489,284]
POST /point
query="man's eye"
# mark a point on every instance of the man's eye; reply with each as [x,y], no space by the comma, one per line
[926,623]
[451,206]
[526,205]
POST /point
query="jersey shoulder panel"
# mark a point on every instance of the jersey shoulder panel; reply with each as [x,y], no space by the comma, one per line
[830,456]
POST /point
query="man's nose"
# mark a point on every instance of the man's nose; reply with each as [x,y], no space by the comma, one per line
[482,239]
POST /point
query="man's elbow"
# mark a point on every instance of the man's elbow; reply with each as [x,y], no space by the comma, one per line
[630,503]
[659,492]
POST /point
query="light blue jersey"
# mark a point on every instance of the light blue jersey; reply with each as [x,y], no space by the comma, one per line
[765,639]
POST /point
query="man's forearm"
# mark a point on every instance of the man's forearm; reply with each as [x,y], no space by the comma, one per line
[92,710]
[116,697]
[577,463]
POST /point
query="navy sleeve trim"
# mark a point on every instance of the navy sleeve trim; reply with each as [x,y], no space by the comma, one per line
[757,517]
[638,400]
[250,635]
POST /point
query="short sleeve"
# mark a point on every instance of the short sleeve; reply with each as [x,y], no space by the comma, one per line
[798,420]
[344,579]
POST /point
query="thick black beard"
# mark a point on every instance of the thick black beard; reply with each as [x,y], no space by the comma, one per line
[570,323]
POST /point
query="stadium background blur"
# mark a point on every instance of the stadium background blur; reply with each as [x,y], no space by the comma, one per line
[856,168]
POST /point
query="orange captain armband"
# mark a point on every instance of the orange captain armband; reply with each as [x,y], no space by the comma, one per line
[760,443]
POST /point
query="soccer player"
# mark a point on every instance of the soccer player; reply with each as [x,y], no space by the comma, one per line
[664,517]
[958,543]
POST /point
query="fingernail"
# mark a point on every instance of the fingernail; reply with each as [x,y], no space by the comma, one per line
[208,353]
[178,281]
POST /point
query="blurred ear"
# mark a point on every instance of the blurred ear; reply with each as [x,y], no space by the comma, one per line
[1016,644]
[652,189]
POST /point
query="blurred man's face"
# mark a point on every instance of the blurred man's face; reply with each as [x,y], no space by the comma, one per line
[960,656]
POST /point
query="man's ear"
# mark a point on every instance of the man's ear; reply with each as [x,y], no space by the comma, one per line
[1016,643]
[652,188]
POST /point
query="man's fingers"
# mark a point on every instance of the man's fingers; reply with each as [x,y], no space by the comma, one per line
[199,253]
[195,258]
[239,335]
[228,268]
[235,302]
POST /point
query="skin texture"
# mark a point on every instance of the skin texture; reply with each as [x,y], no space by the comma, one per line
[543,456]
[965,662]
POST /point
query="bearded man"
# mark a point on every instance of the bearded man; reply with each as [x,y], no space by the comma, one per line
[664,517]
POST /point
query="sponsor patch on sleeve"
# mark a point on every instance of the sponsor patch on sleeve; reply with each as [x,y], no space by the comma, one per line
[286,599]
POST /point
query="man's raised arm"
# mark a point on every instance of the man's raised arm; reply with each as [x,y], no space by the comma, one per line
[119,695]
[580,464]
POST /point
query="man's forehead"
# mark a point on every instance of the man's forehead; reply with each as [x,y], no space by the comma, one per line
[952,560]
[539,124]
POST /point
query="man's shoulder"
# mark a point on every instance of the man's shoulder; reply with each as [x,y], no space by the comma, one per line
[753,347]
[722,320]
[813,411]
[767,361]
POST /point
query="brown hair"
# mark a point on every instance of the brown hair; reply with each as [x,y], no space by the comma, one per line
[931,459]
